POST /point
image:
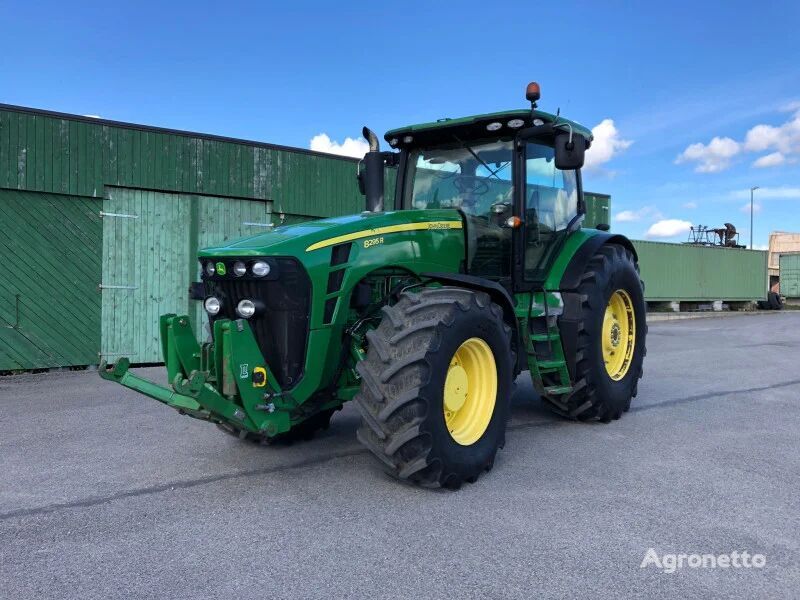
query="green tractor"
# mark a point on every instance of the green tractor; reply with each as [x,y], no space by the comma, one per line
[426,313]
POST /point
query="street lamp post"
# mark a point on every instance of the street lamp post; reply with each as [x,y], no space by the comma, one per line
[752,189]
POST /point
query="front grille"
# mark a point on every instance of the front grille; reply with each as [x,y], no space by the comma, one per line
[282,329]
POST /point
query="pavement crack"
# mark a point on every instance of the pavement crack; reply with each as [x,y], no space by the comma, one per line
[714,394]
[176,485]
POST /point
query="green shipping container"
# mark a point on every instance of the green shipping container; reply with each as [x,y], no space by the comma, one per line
[701,273]
[790,274]
[598,209]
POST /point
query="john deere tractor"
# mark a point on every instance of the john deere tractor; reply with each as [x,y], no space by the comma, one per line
[424,311]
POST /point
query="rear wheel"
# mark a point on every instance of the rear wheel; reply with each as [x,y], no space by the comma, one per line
[611,339]
[436,386]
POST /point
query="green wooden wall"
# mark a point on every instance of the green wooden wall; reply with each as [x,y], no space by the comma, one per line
[59,172]
[49,299]
[79,156]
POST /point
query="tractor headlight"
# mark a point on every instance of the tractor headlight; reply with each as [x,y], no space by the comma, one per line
[260,268]
[239,268]
[210,268]
[212,305]
[246,308]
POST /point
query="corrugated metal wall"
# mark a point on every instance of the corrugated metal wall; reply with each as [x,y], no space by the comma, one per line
[790,275]
[58,172]
[698,273]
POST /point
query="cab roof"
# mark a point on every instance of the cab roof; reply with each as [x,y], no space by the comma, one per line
[475,126]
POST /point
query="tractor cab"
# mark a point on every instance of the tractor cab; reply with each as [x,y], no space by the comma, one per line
[513,176]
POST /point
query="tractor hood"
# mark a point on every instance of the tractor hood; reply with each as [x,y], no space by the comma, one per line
[296,240]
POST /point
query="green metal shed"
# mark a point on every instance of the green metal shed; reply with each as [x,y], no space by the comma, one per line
[790,274]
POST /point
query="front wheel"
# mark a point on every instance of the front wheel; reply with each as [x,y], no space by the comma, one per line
[611,340]
[436,386]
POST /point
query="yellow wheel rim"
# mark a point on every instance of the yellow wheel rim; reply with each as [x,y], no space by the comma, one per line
[619,335]
[470,391]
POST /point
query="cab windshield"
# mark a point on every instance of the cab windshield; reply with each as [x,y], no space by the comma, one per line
[475,178]
[472,178]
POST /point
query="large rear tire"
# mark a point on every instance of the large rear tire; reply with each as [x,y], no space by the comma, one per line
[436,386]
[611,340]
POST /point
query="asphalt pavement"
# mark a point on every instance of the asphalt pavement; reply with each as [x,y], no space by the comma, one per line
[107,494]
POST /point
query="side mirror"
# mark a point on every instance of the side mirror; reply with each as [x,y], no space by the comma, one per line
[569,150]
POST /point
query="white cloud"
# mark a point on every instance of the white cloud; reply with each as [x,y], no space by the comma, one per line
[606,144]
[628,216]
[690,205]
[760,246]
[746,208]
[93,116]
[667,228]
[784,138]
[792,106]
[349,147]
[783,141]
[712,157]
[770,193]
[770,160]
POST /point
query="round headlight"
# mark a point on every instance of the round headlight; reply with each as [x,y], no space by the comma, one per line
[494,126]
[212,305]
[515,123]
[239,268]
[246,309]
[260,268]
[210,268]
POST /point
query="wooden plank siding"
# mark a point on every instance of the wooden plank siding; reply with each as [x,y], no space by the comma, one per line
[50,258]
[79,157]
[58,172]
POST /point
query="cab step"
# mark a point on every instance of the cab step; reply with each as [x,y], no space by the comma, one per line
[558,390]
[545,337]
[551,365]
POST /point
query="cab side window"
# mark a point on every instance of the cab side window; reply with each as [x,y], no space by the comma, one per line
[551,203]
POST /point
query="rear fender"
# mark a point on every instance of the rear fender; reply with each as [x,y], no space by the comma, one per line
[570,321]
[571,278]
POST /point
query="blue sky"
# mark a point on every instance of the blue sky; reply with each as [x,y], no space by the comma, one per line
[661,81]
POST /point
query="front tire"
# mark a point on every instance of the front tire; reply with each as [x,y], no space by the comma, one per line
[611,340]
[436,386]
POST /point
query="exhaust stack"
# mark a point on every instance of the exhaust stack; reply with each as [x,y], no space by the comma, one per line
[371,179]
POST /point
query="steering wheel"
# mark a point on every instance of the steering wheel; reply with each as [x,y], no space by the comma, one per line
[470,184]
